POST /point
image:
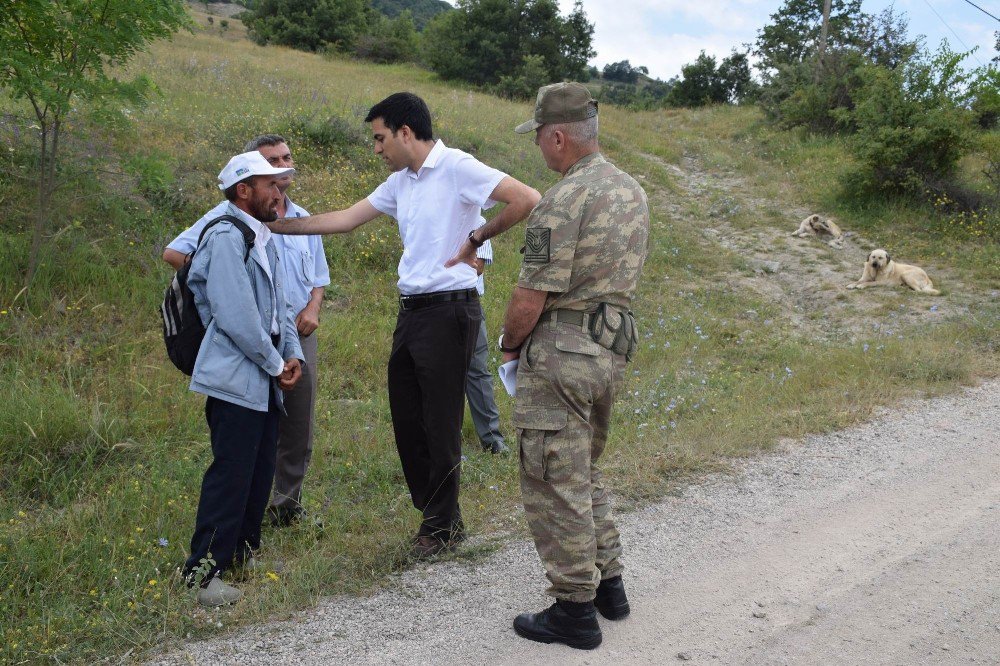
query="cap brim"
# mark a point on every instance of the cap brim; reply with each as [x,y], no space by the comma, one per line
[529,126]
[271,171]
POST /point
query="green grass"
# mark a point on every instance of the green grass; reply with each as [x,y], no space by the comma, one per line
[103,446]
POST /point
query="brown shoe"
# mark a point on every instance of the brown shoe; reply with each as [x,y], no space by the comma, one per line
[426,547]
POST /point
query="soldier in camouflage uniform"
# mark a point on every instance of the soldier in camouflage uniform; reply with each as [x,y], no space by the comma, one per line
[569,324]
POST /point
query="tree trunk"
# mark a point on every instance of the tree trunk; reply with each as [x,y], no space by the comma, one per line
[822,39]
[46,186]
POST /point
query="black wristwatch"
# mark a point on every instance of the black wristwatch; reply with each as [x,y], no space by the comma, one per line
[472,239]
[508,350]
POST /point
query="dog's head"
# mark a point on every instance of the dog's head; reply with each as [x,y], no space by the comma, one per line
[819,225]
[814,222]
[878,259]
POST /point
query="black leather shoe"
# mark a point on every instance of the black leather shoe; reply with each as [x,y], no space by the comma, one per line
[496,448]
[611,601]
[556,625]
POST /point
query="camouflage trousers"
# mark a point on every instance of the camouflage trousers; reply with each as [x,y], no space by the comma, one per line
[565,388]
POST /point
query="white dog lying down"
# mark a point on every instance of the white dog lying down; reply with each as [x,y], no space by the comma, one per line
[814,225]
[880,269]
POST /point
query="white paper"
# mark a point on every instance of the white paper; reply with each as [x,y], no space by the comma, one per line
[508,375]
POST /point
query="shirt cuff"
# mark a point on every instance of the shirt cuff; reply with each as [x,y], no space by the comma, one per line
[275,367]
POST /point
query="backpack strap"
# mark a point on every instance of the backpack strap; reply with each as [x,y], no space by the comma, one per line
[249,237]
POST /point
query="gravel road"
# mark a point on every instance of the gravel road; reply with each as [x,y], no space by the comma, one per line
[879,544]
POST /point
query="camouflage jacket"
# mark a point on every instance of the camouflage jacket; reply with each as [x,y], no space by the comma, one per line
[587,238]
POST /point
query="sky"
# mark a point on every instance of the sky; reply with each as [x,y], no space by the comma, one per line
[665,34]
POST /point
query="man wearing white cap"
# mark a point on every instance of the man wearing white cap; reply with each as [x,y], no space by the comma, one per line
[306,276]
[250,354]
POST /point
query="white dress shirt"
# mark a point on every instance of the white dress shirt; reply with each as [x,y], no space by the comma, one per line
[436,208]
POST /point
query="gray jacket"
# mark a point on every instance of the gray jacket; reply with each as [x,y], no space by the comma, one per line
[237,362]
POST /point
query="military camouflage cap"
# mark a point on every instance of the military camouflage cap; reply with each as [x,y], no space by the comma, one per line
[560,103]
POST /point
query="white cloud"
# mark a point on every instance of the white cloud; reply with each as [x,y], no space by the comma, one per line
[665,34]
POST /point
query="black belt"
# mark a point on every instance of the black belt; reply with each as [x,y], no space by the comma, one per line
[275,339]
[417,301]
[576,317]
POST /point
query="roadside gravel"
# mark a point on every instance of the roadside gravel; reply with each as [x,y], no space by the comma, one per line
[877,544]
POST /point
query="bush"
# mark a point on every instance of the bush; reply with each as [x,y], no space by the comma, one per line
[526,84]
[390,40]
[912,127]
[310,25]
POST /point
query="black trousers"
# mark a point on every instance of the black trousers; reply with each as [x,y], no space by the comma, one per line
[236,486]
[431,350]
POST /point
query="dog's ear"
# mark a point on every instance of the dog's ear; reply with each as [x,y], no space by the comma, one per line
[887,257]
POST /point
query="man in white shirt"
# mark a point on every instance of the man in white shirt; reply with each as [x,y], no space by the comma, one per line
[306,275]
[436,194]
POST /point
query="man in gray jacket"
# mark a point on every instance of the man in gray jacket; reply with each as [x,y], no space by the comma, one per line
[250,354]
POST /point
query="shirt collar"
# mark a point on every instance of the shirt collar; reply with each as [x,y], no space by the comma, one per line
[584,162]
[260,230]
[430,161]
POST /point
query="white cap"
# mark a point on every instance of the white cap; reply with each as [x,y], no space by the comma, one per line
[246,165]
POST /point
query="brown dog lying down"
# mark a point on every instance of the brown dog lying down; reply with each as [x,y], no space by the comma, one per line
[880,269]
[814,225]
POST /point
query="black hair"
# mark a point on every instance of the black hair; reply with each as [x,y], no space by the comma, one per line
[230,192]
[263,140]
[401,109]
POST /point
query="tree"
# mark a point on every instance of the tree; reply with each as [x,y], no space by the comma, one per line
[622,72]
[702,83]
[737,80]
[794,30]
[309,25]
[486,40]
[793,94]
[57,52]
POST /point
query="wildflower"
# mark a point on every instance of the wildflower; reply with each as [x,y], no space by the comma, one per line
[272,575]
[152,582]
[162,542]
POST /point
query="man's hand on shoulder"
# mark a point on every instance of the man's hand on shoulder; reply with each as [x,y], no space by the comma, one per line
[291,375]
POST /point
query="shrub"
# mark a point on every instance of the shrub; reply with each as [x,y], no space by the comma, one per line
[525,84]
[912,127]
[390,40]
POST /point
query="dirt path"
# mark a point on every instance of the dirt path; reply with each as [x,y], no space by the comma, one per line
[804,277]
[878,544]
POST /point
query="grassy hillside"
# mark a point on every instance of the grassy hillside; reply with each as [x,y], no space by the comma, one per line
[103,447]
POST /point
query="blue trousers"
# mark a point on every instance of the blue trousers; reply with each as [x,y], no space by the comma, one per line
[236,486]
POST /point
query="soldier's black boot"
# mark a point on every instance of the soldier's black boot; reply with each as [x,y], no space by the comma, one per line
[572,623]
[611,601]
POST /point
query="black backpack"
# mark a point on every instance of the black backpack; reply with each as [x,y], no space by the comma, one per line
[182,327]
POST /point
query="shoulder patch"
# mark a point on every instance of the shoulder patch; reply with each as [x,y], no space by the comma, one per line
[536,245]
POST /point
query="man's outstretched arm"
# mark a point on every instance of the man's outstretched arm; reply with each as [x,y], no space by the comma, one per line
[336,222]
[519,199]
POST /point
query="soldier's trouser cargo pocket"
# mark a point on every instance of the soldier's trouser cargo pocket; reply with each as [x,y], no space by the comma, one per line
[534,424]
[614,330]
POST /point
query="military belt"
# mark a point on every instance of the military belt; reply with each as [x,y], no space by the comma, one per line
[575,317]
[417,301]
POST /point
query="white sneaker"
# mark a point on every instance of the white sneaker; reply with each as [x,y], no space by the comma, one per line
[218,593]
